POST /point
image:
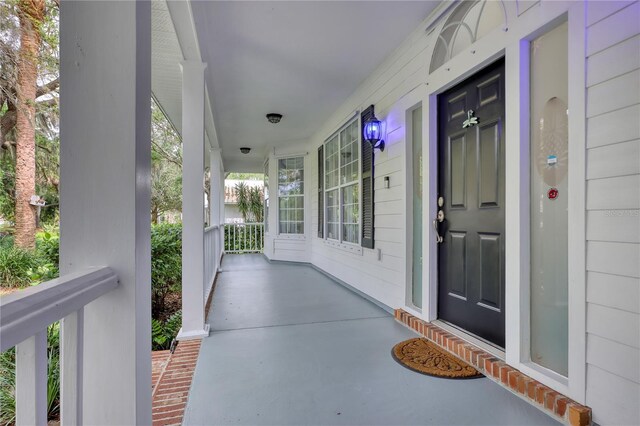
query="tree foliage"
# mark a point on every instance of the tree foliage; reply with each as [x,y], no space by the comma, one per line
[166,165]
[166,264]
[166,145]
[245,176]
[250,202]
[39,20]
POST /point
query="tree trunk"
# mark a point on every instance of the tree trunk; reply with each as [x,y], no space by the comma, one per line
[154,215]
[31,14]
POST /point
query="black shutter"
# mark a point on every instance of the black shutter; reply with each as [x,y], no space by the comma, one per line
[367,183]
[321,192]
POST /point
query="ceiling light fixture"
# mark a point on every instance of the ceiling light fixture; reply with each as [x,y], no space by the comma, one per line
[245,149]
[274,117]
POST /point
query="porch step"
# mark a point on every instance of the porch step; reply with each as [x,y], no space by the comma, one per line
[551,402]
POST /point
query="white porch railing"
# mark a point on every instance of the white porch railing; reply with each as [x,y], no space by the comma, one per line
[243,237]
[24,318]
[212,255]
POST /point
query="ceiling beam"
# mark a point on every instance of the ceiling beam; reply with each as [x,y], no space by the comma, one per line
[185,28]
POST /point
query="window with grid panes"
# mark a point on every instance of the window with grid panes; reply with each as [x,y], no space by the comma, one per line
[342,184]
[291,195]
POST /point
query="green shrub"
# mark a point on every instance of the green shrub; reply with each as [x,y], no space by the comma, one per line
[48,245]
[8,379]
[48,250]
[20,268]
[6,241]
[8,387]
[166,264]
[43,272]
[16,266]
[162,333]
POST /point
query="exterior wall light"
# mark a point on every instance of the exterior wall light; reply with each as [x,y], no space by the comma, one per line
[373,133]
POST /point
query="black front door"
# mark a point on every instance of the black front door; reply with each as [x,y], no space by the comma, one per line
[471,185]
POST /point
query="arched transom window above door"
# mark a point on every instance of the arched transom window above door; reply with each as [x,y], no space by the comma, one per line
[469,21]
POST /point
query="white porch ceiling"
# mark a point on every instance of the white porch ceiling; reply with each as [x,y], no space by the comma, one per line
[166,78]
[298,58]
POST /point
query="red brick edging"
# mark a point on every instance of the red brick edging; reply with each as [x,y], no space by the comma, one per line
[171,377]
[553,403]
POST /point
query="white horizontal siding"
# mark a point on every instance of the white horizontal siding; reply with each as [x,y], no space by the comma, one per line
[625,156]
[613,399]
[613,218]
[289,250]
[613,127]
[613,324]
[624,55]
[619,92]
[598,10]
[615,291]
[389,235]
[614,258]
[385,271]
[388,221]
[396,180]
[386,165]
[616,358]
[281,244]
[359,272]
[388,195]
[622,226]
[615,28]
[614,193]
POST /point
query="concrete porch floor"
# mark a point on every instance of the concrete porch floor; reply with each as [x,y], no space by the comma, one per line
[289,346]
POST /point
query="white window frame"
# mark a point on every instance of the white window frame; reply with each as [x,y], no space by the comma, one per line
[291,234]
[340,242]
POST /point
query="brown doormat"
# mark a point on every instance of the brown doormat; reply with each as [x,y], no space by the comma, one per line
[423,356]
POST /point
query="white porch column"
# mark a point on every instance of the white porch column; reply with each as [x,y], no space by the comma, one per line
[217,200]
[105,181]
[193,89]
[217,186]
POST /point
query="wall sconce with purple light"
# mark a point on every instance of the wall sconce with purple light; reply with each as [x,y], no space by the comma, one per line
[373,133]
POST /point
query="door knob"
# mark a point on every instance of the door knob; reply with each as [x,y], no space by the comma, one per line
[439,219]
[435,226]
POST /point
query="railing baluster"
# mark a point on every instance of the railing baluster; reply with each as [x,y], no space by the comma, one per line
[24,319]
[71,343]
[239,238]
[31,380]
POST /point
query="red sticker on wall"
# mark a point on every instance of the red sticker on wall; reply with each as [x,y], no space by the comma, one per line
[552,194]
